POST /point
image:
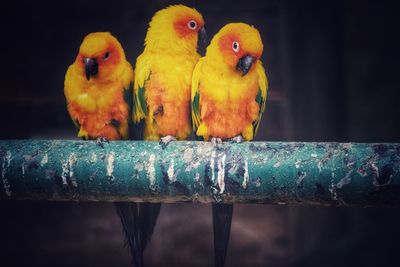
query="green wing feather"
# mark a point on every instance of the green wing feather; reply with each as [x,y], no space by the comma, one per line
[142,74]
[196,117]
[139,108]
[261,95]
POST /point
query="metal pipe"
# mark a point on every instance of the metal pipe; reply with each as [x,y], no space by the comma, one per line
[251,172]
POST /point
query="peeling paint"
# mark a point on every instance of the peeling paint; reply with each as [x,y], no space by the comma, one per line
[151,172]
[234,168]
[188,155]
[4,168]
[110,164]
[139,167]
[246,175]
[221,173]
[212,166]
[71,162]
[171,172]
[197,177]
[375,171]
[332,190]
[300,178]
[332,187]
[192,161]
[93,158]
[297,164]
[44,160]
[314,155]
[192,165]
[324,160]
[65,172]
[276,165]
[319,166]
[345,180]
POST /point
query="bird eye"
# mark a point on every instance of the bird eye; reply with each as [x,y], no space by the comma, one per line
[235,47]
[192,24]
[106,56]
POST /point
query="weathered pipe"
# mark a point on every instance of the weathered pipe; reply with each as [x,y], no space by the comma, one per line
[256,172]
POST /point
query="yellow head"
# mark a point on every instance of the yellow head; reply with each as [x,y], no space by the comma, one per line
[100,56]
[175,29]
[238,46]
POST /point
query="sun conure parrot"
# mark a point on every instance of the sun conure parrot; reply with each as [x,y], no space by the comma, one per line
[164,73]
[161,102]
[98,90]
[229,90]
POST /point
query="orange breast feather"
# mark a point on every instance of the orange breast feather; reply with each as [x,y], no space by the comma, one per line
[228,120]
[98,123]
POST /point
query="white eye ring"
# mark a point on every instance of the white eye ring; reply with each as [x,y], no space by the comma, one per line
[235,47]
[106,56]
[192,24]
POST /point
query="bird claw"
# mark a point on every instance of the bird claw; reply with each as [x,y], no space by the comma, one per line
[165,140]
[216,141]
[101,140]
[237,139]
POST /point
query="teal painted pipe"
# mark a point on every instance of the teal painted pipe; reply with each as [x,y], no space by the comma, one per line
[255,172]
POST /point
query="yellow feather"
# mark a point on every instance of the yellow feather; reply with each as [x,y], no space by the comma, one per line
[163,76]
[196,120]
[95,99]
[263,85]
[221,90]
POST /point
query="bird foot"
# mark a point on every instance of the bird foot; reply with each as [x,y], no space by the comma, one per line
[237,139]
[165,140]
[101,140]
[216,141]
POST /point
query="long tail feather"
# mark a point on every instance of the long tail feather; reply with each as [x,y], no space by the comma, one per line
[148,216]
[129,215]
[222,219]
[138,221]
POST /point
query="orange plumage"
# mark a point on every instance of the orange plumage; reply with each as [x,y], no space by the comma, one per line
[229,86]
[95,93]
[163,73]
[227,121]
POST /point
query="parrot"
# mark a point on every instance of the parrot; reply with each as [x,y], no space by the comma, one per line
[99,95]
[97,88]
[162,84]
[161,95]
[229,91]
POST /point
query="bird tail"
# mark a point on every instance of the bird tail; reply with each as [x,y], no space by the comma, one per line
[148,213]
[138,221]
[222,219]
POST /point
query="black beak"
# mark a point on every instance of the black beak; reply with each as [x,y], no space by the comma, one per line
[91,67]
[202,41]
[245,64]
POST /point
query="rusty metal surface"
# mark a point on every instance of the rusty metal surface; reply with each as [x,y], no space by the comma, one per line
[256,172]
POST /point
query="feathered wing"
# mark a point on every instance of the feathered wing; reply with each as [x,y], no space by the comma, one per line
[261,95]
[195,101]
[139,108]
[142,74]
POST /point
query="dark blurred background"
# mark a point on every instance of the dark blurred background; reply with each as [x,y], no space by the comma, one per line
[334,75]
